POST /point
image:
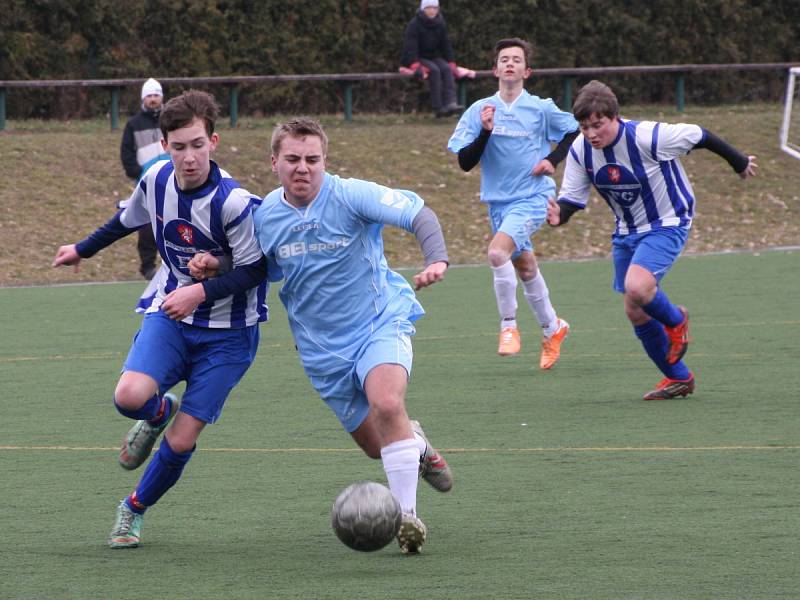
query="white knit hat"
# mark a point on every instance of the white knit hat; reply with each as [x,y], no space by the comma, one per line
[151,86]
[426,3]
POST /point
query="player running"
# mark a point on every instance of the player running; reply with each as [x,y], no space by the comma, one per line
[351,316]
[634,166]
[203,333]
[510,135]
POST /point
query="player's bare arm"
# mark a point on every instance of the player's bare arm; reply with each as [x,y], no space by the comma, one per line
[67,256]
[431,274]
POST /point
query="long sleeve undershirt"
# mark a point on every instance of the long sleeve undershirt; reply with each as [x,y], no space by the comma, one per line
[470,155]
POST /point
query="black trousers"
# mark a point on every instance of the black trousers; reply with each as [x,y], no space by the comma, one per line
[146,245]
[441,82]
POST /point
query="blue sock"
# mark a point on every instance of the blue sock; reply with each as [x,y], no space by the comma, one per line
[655,342]
[144,413]
[160,475]
[664,311]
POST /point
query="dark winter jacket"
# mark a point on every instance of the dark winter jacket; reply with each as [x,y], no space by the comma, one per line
[141,142]
[426,38]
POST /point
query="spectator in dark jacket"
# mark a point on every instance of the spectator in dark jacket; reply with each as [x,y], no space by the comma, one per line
[427,50]
[140,148]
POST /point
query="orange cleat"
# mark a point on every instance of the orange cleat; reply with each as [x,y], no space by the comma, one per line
[667,388]
[678,338]
[551,347]
[510,342]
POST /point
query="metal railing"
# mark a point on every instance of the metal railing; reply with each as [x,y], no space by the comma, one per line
[348,80]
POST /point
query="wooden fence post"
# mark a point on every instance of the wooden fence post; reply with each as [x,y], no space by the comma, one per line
[114,108]
[2,108]
[348,101]
[462,91]
[234,102]
[680,97]
[567,102]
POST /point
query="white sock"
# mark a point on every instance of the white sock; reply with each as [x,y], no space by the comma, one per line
[538,297]
[422,445]
[505,290]
[401,464]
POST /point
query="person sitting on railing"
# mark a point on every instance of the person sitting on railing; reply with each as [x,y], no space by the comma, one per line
[427,51]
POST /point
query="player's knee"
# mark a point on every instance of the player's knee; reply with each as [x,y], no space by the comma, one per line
[130,396]
[636,294]
[389,407]
[498,257]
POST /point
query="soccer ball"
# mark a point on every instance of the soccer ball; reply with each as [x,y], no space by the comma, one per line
[366,516]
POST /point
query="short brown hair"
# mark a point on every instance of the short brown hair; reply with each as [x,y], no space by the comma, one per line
[514,43]
[595,98]
[298,127]
[181,110]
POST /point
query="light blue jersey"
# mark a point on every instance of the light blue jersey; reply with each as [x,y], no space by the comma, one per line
[337,284]
[523,131]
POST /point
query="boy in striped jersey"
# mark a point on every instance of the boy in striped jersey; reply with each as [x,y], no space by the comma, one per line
[205,334]
[634,166]
[510,135]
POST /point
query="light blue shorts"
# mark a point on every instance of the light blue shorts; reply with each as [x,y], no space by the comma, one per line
[655,251]
[211,361]
[519,220]
[343,392]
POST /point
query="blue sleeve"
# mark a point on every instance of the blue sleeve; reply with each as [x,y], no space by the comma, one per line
[238,280]
[103,236]
[468,128]
[378,204]
[559,122]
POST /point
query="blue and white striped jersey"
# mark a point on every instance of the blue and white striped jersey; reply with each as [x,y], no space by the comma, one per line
[523,131]
[336,279]
[639,175]
[215,218]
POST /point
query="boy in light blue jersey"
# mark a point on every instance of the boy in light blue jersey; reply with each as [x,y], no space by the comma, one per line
[205,334]
[510,134]
[351,316]
[635,167]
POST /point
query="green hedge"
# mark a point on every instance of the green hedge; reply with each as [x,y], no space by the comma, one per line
[80,39]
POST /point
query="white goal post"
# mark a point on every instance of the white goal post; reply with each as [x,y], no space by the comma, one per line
[790,129]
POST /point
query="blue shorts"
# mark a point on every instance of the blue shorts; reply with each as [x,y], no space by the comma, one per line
[655,251]
[211,361]
[343,392]
[519,219]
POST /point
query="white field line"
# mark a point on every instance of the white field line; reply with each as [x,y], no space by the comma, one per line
[477,334]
